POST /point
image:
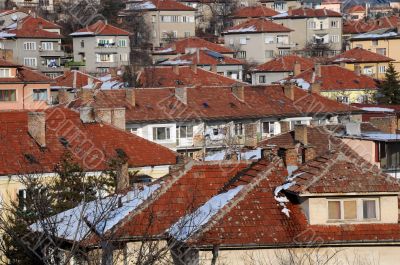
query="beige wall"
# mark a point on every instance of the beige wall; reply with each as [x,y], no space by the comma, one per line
[24,99]
[365,149]
[392,47]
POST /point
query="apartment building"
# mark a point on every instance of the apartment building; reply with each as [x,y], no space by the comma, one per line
[259,40]
[22,88]
[167,20]
[384,41]
[198,121]
[248,12]
[36,43]
[281,5]
[100,47]
[34,4]
[313,26]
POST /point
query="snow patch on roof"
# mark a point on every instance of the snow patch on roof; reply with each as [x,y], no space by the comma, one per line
[375,36]
[377,109]
[82,33]
[381,136]
[246,155]
[144,6]
[176,62]
[4,34]
[248,29]
[102,214]
[282,199]
[192,223]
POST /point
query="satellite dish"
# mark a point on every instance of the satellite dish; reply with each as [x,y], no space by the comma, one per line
[14,17]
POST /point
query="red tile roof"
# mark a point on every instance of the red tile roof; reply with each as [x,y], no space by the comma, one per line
[166,5]
[255,12]
[16,145]
[30,27]
[216,103]
[24,74]
[339,172]
[308,12]
[356,9]
[257,25]
[361,26]
[285,64]
[183,192]
[100,28]
[206,57]
[359,55]
[164,76]
[334,77]
[181,46]
[76,79]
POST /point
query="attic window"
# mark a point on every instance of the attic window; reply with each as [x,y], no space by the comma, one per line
[31,159]
[354,209]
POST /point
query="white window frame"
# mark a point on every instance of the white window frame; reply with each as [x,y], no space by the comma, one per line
[30,46]
[30,61]
[359,209]
[5,72]
[382,69]
[47,46]
[168,133]
[271,128]
[243,40]
[122,43]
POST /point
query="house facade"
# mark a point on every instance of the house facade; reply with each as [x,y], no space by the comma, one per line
[36,43]
[101,47]
[281,5]
[21,88]
[259,40]
[167,20]
[313,27]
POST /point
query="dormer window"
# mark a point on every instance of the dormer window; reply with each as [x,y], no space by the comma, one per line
[354,209]
[5,72]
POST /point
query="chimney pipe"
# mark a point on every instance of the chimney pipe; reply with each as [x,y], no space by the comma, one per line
[193,66]
[214,68]
[238,92]
[297,68]
[357,69]
[37,127]
[315,87]
[130,95]
[300,134]
[288,89]
[181,94]
[317,70]
[175,68]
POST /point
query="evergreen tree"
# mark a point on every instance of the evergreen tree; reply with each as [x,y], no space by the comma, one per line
[389,88]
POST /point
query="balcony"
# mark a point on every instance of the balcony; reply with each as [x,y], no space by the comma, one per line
[285,45]
[51,53]
[47,69]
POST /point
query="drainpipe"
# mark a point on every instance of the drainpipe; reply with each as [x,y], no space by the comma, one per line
[215,254]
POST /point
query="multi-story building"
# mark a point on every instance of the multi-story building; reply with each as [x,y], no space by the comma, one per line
[200,120]
[381,41]
[167,20]
[313,26]
[257,11]
[281,5]
[34,4]
[259,40]
[36,43]
[370,63]
[22,88]
[101,46]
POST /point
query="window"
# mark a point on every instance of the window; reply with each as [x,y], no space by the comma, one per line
[122,43]
[39,94]
[82,44]
[30,62]
[153,19]
[22,199]
[261,79]
[334,38]
[187,34]
[8,95]
[381,51]
[104,58]
[282,39]
[238,128]
[375,42]
[243,41]
[368,70]
[269,53]
[184,131]
[47,46]
[231,42]
[29,46]
[334,24]
[241,55]
[356,209]
[268,128]
[283,52]
[132,130]
[161,133]
[312,25]
[5,72]
[269,39]
[382,69]
[343,99]
[123,57]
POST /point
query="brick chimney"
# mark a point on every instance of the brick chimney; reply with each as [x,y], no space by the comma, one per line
[309,153]
[214,68]
[288,89]
[317,70]
[385,124]
[181,94]
[238,92]
[357,69]
[175,68]
[289,156]
[37,127]
[193,66]
[300,134]
[86,94]
[130,96]
[297,68]
[315,87]
[63,96]
[122,172]
[86,114]
[113,116]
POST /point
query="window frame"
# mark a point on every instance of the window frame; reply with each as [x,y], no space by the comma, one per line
[359,209]
[167,132]
[37,94]
[30,46]
[11,97]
